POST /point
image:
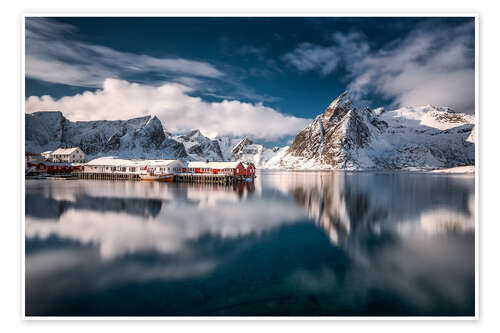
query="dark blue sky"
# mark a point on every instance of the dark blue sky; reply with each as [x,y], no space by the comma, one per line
[293,65]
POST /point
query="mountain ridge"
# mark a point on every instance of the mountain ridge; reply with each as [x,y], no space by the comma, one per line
[347,137]
[343,136]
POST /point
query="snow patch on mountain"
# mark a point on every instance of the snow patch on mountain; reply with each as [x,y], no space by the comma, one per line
[200,147]
[412,138]
[141,137]
[342,137]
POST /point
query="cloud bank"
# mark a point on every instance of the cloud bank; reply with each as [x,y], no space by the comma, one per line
[174,106]
[432,64]
[49,53]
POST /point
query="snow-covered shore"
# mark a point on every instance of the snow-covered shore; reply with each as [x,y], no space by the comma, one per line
[470,169]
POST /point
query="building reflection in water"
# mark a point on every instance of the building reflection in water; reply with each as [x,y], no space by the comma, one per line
[346,206]
[340,235]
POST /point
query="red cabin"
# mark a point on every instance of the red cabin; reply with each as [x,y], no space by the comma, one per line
[217,168]
[249,169]
[52,167]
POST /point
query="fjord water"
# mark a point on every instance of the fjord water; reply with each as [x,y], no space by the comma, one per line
[291,243]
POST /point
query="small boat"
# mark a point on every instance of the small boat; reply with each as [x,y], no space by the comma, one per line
[159,178]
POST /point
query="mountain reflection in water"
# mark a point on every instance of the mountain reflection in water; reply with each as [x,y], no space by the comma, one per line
[292,243]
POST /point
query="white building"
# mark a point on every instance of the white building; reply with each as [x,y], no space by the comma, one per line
[68,155]
[115,165]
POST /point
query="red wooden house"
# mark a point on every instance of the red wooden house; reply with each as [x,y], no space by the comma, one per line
[249,169]
[217,168]
[51,167]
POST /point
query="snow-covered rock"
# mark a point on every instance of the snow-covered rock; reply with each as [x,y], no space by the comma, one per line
[342,137]
[142,137]
[244,149]
[200,147]
[345,137]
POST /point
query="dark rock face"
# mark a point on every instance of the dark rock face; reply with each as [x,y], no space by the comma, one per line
[202,147]
[113,143]
[332,136]
[338,109]
[241,145]
[143,136]
[307,142]
[175,147]
[196,149]
[44,127]
[344,136]
[149,137]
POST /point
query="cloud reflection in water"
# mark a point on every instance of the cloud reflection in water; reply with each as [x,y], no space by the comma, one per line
[408,234]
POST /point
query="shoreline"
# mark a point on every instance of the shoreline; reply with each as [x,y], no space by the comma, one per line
[465,170]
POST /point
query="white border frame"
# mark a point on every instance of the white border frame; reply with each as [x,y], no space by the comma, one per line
[247,14]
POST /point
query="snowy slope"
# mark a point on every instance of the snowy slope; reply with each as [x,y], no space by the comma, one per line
[142,137]
[244,149]
[342,137]
[200,147]
[345,137]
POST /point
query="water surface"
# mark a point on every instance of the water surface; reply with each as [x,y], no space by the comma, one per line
[292,243]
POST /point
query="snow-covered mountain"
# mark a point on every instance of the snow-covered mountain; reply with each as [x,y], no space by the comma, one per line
[200,147]
[345,137]
[244,149]
[342,137]
[142,137]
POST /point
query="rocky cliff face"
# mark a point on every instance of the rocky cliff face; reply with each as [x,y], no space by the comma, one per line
[200,147]
[342,137]
[345,137]
[139,137]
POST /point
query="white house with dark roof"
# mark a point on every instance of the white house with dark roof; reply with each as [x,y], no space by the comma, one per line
[68,155]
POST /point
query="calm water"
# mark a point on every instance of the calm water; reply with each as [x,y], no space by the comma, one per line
[289,244]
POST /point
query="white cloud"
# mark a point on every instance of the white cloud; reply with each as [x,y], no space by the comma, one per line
[178,223]
[326,59]
[432,64]
[309,57]
[52,57]
[175,107]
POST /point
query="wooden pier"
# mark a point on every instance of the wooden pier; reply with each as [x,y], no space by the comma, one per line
[179,178]
[207,179]
[107,176]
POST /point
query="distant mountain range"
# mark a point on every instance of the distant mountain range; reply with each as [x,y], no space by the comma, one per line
[342,137]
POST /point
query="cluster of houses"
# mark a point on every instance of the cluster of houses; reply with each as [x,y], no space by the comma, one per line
[113,165]
[61,160]
[67,160]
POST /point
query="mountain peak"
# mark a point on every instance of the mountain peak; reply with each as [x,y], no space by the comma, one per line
[246,141]
[339,106]
[153,120]
[194,134]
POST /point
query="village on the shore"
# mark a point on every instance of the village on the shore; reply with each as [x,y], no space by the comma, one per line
[71,163]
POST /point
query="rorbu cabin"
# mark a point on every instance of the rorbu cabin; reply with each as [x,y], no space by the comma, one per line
[217,168]
[249,169]
[52,168]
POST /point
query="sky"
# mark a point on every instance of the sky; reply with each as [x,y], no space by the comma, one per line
[266,77]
